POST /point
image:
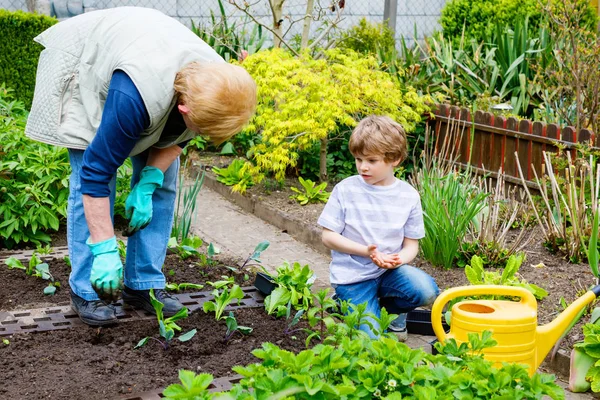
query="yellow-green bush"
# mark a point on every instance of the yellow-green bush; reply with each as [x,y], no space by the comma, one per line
[19,54]
[303,100]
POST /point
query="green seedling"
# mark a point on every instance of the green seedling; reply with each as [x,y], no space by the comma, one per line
[47,249]
[262,246]
[167,326]
[187,248]
[312,192]
[6,342]
[192,386]
[38,269]
[177,287]
[293,284]
[222,300]
[233,327]
[67,260]
[322,315]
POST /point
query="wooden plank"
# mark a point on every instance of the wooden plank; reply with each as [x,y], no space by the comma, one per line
[510,164]
[586,136]
[486,142]
[524,149]
[568,135]
[552,132]
[537,148]
[465,145]
[498,146]
[477,155]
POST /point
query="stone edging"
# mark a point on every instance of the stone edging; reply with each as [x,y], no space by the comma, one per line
[303,232]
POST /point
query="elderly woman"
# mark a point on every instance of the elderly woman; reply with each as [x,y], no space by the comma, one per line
[118,83]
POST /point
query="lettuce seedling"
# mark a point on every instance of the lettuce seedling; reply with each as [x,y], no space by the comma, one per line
[233,327]
[176,287]
[222,300]
[167,326]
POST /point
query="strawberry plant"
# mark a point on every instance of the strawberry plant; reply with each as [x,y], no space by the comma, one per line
[312,192]
[166,326]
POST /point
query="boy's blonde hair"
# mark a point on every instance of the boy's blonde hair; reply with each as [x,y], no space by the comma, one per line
[381,136]
[221,97]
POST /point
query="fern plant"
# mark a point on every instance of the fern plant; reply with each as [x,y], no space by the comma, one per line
[312,192]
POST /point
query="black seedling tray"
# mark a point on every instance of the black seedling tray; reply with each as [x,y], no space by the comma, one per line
[419,322]
[264,283]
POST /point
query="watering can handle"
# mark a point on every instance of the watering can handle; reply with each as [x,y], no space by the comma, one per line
[526,296]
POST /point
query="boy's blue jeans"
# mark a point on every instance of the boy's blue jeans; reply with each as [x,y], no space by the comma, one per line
[399,290]
[146,249]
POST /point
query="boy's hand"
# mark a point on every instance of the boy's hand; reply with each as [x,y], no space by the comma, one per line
[382,260]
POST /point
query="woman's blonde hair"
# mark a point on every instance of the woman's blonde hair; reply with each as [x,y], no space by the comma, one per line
[381,136]
[221,97]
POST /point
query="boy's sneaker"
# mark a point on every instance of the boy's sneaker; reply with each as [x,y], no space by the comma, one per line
[401,333]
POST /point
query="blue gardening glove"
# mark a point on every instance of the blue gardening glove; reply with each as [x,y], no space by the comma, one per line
[107,269]
[138,206]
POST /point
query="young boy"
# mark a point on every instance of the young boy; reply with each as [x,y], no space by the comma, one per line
[372,223]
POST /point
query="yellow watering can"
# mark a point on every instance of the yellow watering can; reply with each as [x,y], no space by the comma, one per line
[513,324]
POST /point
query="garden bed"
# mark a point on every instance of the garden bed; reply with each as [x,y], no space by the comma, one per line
[94,363]
[560,278]
[19,291]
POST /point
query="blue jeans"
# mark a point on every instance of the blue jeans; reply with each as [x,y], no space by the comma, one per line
[399,290]
[146,249]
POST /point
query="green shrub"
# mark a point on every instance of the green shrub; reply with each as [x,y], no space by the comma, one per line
[33,180]
[303,101]
[367,37]
[479,16]
[19,53]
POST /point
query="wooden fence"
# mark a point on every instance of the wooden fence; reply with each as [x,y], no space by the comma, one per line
[497,139]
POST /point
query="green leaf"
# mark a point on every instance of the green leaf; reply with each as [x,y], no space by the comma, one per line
[187,336]
[142,342]
[49,290]
[13,263]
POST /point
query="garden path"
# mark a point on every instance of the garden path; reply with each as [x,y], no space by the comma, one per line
[237,232]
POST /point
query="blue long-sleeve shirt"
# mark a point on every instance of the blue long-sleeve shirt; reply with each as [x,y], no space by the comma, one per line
[124,118]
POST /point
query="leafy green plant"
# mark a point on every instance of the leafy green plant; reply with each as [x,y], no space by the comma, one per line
[233,327]
[33,180]
[187,248]
[509,277]
[36,268]
[293,285]
[236,174]
[166,326]
[185,210]
[192,387]
[222,299]
[361,368]
[47,249]
[123,188]
[312,192]
[585,369]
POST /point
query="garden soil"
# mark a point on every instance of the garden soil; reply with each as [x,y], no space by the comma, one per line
[101,363]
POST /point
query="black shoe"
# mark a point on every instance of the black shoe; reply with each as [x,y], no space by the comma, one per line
[141,299]
[93,312]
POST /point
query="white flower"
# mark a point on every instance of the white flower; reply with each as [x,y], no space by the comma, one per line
[392,383]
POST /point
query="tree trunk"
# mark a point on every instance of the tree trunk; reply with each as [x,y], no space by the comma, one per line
[306,26]
[323,160]
[277,12]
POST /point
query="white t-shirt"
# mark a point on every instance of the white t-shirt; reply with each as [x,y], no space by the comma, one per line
[368,214]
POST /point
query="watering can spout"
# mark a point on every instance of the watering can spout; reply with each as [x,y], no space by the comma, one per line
[548,335]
